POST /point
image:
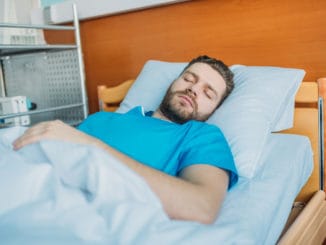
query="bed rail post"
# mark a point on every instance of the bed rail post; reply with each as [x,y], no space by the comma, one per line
[321,141]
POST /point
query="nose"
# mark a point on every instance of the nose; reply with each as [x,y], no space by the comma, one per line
[191,92]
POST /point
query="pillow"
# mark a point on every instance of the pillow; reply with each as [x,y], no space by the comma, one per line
[261,102]
[151,84]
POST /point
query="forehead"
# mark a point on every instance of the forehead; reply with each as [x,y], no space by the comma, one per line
[205,73]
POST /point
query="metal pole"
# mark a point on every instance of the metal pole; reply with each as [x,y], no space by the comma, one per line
[40,111]
[80,62]
[27,26]
[2,83]
[321,141]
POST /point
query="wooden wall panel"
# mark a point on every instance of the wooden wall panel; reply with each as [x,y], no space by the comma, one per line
[283,33]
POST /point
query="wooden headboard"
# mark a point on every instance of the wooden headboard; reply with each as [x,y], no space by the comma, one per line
[306,122]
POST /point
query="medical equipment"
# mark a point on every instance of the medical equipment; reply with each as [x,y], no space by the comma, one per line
[15,104]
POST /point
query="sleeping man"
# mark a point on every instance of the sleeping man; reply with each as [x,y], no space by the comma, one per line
[185,161]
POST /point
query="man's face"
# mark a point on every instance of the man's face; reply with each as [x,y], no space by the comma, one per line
[194,95]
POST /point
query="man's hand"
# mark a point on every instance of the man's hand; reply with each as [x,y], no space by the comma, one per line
[53,130]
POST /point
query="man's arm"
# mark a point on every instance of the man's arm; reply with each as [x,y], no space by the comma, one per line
[196,195]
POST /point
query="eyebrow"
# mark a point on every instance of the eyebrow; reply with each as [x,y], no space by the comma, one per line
[197,78]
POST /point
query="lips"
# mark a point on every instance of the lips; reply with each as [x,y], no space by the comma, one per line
[187,99]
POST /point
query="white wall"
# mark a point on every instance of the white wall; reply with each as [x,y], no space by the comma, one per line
[61,12]
[17,11]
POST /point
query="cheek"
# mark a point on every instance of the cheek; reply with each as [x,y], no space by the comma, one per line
[179,85]
[206,106]
[177,88]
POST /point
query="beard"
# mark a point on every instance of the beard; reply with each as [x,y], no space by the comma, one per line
[176,112]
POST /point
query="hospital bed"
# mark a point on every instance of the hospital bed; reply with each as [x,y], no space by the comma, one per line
[81,195]
[305,210]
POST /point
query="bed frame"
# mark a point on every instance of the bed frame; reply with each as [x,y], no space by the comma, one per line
[307,221]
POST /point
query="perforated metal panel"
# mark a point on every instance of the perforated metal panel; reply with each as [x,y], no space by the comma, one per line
[48,79]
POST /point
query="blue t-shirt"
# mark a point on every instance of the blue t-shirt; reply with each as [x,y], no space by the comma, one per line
[163,145]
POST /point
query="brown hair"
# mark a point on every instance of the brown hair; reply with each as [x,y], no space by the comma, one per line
[220,67]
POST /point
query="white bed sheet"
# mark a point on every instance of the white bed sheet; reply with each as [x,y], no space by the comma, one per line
[47,197]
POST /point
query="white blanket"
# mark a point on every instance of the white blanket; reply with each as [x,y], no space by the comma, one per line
[60,193]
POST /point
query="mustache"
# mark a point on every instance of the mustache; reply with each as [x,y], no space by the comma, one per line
[189,94]
[185,92]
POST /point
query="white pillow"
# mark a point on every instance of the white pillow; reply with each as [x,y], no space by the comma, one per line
[261,102]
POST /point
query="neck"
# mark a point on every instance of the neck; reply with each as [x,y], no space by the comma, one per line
[158,114]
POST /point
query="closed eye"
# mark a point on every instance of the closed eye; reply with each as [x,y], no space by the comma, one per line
[210,94]
[189,77]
